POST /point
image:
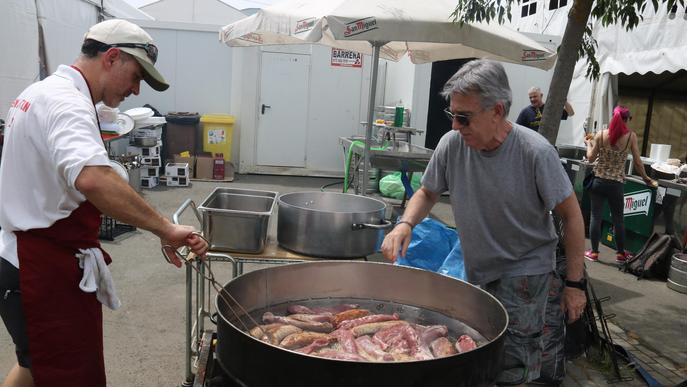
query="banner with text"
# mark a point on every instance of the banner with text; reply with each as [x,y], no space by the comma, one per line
[346,58]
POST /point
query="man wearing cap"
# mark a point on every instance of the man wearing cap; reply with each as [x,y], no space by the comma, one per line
[55,181]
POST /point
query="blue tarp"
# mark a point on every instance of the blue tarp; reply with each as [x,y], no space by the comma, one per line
[435,247]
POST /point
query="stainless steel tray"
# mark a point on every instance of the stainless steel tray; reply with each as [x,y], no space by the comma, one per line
[237,220]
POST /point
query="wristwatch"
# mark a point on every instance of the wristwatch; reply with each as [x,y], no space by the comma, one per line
[581,284]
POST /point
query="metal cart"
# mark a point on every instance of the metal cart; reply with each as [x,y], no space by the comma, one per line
[198,305]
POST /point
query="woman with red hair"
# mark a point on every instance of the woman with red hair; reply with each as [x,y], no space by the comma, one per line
[610,148]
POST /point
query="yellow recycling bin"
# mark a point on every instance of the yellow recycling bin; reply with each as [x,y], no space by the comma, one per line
[218,130]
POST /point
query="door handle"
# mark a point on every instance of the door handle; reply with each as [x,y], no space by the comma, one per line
[265,107]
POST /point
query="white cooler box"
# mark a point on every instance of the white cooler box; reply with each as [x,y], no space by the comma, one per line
[177,181]
[177,169]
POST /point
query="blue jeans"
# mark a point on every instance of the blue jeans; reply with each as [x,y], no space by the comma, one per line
[612,191]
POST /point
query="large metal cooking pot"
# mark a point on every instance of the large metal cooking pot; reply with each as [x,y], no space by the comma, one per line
[330,224]
[416,295]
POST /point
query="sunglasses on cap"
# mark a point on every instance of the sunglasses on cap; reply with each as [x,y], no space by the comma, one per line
[150,49]
[462,119]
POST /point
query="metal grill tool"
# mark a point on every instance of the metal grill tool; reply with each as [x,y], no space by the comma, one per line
[177,258]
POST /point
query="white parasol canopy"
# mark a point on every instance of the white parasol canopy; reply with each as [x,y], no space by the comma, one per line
[386,28]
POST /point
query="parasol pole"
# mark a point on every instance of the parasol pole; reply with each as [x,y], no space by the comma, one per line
[370,115]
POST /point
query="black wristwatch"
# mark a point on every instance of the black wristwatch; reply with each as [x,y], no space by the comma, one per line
[581,284]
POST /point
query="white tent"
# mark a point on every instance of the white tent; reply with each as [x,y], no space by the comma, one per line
[37,36]
[213,12]
[658,44]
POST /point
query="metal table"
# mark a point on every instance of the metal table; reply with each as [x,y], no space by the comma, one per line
[399,156]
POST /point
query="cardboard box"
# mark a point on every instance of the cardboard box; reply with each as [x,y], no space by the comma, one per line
[191,161]
[204,167]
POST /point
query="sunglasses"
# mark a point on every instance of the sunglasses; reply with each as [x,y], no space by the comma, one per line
[150,49]
[462,119]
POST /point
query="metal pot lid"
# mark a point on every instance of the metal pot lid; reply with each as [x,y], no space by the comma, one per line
[331,202]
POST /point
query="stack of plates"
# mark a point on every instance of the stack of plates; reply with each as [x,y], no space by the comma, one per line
[666,168]
[122,125]
[139,113]
[150,121]
[665,171]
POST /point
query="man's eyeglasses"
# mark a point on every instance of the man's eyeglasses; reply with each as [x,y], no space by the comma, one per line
[150,49]
[462,119]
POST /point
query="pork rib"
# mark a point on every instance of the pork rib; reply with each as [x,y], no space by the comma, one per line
[465,343]
[442,347]
[370,350]
[314,326]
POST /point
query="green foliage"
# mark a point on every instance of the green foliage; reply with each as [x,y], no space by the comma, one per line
[483,10]
[627,13]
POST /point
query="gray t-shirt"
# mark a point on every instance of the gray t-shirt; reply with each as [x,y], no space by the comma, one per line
[501,202]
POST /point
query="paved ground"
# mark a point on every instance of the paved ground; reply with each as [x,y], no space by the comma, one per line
[144,339]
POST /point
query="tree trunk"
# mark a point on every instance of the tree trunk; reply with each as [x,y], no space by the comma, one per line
[565,65]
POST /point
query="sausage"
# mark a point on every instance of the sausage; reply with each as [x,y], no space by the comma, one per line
[301,339]
[349,315]
[348,324]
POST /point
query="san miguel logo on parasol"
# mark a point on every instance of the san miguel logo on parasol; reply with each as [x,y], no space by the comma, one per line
[252,37]
[533,55]
[359,26]
[304,25]
[637,203]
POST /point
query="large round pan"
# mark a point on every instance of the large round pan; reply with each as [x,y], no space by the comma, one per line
[416,295]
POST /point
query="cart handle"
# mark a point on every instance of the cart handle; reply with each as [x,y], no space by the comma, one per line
[182,208]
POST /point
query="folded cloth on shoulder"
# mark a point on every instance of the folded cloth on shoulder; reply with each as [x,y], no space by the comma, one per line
[97,278]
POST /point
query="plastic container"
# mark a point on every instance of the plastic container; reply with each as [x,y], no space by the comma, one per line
[181,133]
[398,117]
[218,130]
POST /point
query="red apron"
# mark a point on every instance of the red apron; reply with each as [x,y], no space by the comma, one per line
[63,323]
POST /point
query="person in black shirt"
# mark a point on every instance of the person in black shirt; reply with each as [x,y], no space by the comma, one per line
[532,114]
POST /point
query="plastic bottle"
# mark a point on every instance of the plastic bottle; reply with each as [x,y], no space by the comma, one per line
[398,115]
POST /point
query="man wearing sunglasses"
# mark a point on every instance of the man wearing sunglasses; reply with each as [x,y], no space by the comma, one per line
[531,115]
[504,180]
[55,181]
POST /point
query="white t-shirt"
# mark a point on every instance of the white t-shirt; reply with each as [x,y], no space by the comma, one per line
[51,133]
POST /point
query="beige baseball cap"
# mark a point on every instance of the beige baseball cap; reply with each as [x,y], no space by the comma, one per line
[133,40]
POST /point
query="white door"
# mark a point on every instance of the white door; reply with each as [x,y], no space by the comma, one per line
[283,110]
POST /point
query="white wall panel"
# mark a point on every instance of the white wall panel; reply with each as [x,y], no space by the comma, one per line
[198,69]
[18,45]
[334,109]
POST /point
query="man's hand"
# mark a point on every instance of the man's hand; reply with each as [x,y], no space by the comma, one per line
[397,240]
[573,303]
[177,236]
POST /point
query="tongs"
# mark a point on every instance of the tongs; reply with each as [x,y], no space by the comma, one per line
[177,258]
